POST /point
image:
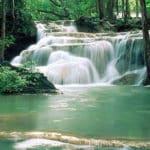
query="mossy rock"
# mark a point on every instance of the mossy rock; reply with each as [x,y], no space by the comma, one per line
[127,79]
[36,82]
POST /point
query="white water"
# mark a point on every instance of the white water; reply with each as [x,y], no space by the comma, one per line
[36,143]
[66,56]
[48,140]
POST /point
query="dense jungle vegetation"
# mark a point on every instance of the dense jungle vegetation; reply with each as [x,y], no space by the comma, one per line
[73,9]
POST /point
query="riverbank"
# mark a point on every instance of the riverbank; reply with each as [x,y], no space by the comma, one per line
[94,25]
[18,80]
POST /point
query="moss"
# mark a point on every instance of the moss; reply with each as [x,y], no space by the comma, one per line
[20,80]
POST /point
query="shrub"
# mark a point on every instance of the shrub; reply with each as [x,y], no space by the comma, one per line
[11,81]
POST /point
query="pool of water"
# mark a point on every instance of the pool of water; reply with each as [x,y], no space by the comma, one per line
[94,112]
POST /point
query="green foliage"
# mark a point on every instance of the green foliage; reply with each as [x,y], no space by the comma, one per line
[34,5]
[21,24]
[23,20]
[18,80]
[11,81]
[76,8]
[29,65]
[80,8]
[9,40]
[31,77]
[148,7]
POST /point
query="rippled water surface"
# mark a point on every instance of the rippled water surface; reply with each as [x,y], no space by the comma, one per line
[101,112]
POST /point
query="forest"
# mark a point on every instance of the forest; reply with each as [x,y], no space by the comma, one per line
[55,10]
[19,15]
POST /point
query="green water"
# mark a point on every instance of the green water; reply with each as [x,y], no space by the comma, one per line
[108,112]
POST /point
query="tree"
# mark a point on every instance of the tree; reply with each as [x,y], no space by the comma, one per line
[127,9]
[123,11]
[62,11]
[103,7]
[110,6]
[3,28]
[13,9]
[100,9]
[137,8]
[117,7]
[146,38]
[13,14]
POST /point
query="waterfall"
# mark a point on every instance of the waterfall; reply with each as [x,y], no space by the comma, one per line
[66,56]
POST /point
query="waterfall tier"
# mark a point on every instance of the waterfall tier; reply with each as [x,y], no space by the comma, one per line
[67,56]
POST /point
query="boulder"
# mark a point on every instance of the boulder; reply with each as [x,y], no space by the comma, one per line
[127,79]
[37,82]
[86,24]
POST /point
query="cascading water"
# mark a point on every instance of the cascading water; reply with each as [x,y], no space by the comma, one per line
[66,56]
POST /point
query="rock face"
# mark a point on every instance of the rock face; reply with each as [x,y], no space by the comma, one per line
[87,24]
[131,54]
[39,84]
[128,79]
[18,46]
[92,24]
[22,41]
[22,29]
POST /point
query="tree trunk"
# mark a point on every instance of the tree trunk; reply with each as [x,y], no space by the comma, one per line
[146,39]
[137,8]
[100,9]
[110,9]
[13,14]
[127,10]
[117,7]
[2,47]
[123,11]
[13,9]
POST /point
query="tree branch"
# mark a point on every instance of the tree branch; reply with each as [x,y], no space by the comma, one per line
[55,3]
[54,13]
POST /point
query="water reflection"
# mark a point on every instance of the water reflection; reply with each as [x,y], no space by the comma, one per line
[110,112]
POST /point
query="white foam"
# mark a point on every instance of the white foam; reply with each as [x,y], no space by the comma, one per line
[36,143]
[71,57]
[33,143]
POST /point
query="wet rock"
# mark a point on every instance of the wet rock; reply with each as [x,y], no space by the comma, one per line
[127,79]
[131,54]
[21,43]
[87,24]
[37,82]
[24,36]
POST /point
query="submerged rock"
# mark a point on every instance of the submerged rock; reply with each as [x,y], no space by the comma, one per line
[127,79]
